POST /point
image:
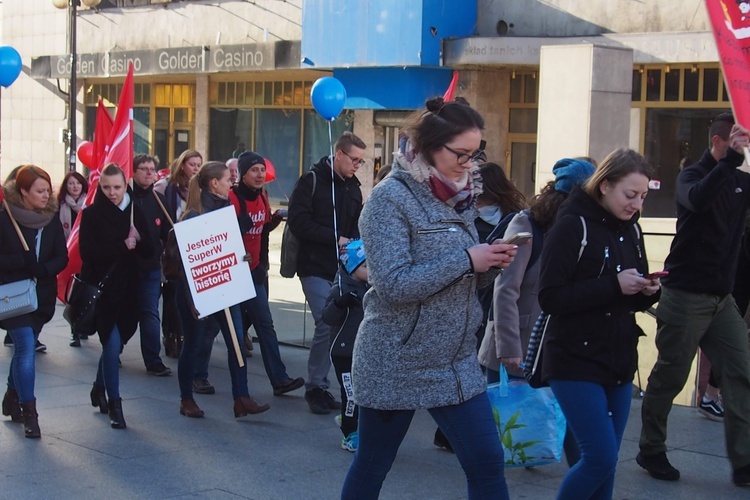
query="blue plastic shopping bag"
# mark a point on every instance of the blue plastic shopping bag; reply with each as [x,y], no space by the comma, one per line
[530,422]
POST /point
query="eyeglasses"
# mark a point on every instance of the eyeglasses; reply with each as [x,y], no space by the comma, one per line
[462,158]
[358,161]
[147,170]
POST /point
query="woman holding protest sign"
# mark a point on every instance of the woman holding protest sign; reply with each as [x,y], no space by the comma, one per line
[113,234]
[209,190]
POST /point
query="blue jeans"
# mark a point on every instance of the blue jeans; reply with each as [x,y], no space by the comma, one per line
[149,290]
[195,332]
[108,373]
[470,428]
[259,314]
[597,416]
[319,363]
[202,353]
[22,374]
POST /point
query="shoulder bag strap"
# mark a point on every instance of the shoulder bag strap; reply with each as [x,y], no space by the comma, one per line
[15,225]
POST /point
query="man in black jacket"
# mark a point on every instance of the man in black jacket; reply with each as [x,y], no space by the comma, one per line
[696,308]
[311,220]
[144,196]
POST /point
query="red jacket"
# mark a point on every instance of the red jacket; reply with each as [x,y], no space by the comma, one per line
[255,214]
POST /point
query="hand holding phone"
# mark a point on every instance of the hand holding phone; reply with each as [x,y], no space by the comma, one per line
[656,275]
[518,239]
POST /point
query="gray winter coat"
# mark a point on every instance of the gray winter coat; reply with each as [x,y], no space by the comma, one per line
[416,347]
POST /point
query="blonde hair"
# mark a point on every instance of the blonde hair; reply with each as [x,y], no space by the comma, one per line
[177,174]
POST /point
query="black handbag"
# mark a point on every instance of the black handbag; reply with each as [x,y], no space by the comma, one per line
[80,306]
[80,309]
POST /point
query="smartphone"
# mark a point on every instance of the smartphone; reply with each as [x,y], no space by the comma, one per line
[657,274]
[518,239]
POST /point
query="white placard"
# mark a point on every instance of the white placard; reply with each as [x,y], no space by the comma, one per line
[182,137]
[212,254]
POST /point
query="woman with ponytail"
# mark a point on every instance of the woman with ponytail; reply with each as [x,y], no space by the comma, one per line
[208,191]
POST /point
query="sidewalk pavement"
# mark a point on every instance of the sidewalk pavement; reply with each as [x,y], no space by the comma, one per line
[285,453]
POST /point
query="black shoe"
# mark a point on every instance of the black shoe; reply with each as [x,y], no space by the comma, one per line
[39,347]
[99,398]
[741,476]
[332,403]
[290,385]
[441,441]
[83,336]
[203,386]
[8,342]
[658,466]
[316,400]
[75,340]
[159,370]
[116,419]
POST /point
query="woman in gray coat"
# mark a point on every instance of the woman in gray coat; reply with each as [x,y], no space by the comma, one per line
[416,348]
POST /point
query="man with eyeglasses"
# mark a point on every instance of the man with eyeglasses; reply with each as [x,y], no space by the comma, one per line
[144,196]
[311,220]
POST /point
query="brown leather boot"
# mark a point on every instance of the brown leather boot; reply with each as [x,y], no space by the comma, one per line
[11,406]
[189,408]
[245,405]
[30,420]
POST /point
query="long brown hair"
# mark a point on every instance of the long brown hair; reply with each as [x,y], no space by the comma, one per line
[201,182]
[617,165]
[177,174]
[64,186]
[499,190]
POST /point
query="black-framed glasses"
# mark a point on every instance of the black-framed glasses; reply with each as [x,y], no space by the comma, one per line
[358,161]
[462,158]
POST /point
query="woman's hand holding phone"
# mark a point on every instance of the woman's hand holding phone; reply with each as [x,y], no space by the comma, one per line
[497,255]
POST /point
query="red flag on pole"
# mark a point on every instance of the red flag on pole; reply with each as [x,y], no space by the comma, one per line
[732,33]
[450,94]
[113,143]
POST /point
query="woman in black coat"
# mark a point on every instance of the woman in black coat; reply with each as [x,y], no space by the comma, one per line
[592,281]
[32,205]
[110,246]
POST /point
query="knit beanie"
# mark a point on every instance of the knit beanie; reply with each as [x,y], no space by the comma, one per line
[352,256]
[246,160]
[569,172]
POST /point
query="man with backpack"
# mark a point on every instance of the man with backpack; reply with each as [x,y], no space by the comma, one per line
[324,213]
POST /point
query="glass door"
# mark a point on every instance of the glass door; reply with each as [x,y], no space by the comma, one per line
[174,121]
[523,167]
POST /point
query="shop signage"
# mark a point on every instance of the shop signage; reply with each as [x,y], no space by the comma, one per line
[203,59]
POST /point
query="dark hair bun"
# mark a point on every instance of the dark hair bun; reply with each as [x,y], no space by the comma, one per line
[435,104]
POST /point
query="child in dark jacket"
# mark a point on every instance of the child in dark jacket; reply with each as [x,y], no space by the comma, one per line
[343,312]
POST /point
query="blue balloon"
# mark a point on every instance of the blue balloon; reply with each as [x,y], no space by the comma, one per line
[10,65]
[328,97]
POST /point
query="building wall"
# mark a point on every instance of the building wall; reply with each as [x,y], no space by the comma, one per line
[581,17]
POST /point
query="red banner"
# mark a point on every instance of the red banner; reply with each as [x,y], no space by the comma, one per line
[113,143]
[731,28]
[450,94]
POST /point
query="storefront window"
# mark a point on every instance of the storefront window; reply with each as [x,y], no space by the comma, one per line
[277,137]
[674,138]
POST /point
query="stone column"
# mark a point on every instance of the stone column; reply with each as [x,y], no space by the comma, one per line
[202,116]
[584,103]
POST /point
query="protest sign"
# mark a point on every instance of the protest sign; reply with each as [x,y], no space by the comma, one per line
[212,254]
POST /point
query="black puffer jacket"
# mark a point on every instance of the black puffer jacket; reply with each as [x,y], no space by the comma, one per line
[311,218]
[592,334]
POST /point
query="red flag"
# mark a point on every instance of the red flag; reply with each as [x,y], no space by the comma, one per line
[113,143]
[451,92]
[732,33]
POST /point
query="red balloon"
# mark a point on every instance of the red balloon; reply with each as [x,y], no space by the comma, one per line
[86,153]
[270,171]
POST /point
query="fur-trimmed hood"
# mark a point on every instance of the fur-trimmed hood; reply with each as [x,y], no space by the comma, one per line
[13,196]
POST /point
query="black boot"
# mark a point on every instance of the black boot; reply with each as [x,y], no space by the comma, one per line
[11,406]
[30,420]
[115,414]
[75,340]
[99,398]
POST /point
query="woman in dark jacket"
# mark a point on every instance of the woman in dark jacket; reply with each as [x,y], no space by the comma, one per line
[209,190]
[592,282]
[110,244]
[30,201]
